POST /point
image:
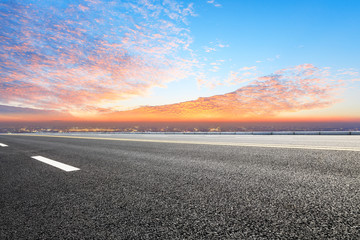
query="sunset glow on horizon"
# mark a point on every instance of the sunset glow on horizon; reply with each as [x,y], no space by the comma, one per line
[171,60]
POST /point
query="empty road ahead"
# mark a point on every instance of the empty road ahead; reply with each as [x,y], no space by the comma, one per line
[179,187]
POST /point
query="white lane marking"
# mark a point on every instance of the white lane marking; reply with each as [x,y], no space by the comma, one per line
[239,144]
[3,145]
[60,165]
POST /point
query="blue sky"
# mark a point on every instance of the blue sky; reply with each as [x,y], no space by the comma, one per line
[272,35]
[90,56]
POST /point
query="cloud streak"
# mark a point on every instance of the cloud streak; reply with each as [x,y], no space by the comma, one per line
[15,114]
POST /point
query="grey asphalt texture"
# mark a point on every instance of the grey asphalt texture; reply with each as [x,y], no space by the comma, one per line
[151,190]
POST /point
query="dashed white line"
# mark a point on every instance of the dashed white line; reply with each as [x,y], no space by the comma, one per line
[54,163]
[3,145]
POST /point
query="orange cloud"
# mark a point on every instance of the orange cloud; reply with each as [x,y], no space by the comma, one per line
[290,90]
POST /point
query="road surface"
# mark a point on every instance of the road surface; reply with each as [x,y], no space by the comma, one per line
[179,187]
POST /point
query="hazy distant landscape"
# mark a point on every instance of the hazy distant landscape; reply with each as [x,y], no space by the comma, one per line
[58,126]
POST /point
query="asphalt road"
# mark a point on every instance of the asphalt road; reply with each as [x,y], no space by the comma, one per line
[192,187]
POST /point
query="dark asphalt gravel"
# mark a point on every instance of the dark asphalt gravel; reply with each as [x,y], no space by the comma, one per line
[144,190]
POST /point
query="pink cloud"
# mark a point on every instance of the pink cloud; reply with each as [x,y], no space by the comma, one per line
[349,72]
[248,68]
[83,8]
[65,64]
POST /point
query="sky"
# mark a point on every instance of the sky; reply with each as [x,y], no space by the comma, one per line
[204,60]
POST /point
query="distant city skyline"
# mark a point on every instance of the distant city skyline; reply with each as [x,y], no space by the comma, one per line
[169,60]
